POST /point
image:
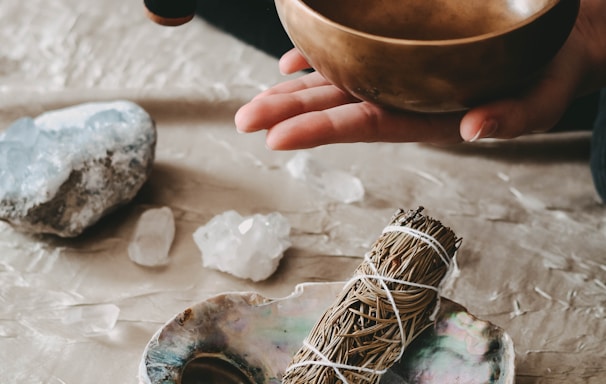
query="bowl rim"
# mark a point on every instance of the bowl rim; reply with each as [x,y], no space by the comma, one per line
[441,42]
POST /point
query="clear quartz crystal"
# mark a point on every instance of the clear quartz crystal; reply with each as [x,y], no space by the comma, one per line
[246,247]
[336,184]
[92,320]
[153,237]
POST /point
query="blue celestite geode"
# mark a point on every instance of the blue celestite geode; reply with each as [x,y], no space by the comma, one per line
[65,169]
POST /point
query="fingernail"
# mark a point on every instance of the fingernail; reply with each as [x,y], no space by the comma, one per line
[489,128]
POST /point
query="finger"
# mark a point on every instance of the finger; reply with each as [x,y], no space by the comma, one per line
[265,112]
[361,122]
[537,110]
[292,61]
[311,80]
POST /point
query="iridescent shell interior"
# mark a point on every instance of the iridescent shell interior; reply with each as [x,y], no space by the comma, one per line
[245,338]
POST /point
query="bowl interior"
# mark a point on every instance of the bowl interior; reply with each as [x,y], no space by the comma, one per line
[429,19]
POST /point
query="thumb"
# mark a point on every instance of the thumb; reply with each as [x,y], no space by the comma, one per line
[536,110]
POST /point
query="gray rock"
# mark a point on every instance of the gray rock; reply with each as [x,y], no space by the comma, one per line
[64,170]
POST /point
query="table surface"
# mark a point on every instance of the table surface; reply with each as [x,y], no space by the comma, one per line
[534,233]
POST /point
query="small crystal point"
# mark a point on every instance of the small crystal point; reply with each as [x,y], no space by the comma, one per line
[153,237]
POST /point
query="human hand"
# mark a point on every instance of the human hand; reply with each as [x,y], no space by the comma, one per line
[309,111]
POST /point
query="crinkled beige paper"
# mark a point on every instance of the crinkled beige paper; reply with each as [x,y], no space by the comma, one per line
[533,258]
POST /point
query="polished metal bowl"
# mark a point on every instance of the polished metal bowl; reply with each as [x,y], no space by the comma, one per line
[428,55]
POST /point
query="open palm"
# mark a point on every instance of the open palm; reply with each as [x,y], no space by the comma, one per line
[309,111]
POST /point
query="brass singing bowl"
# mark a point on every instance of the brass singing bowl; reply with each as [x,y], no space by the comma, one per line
[428,55]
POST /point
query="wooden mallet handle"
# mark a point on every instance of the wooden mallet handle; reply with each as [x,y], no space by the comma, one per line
[170,13]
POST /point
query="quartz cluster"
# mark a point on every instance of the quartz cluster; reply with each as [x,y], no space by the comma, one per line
[65,169]
[246,247]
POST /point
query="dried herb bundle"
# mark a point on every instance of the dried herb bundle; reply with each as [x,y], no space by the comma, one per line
[395,289]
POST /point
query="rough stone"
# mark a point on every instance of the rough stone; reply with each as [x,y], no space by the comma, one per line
[64,170]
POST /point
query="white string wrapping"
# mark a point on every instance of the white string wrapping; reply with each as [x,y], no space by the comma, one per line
[321,360]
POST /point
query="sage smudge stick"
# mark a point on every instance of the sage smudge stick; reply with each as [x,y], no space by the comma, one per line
[389,301]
